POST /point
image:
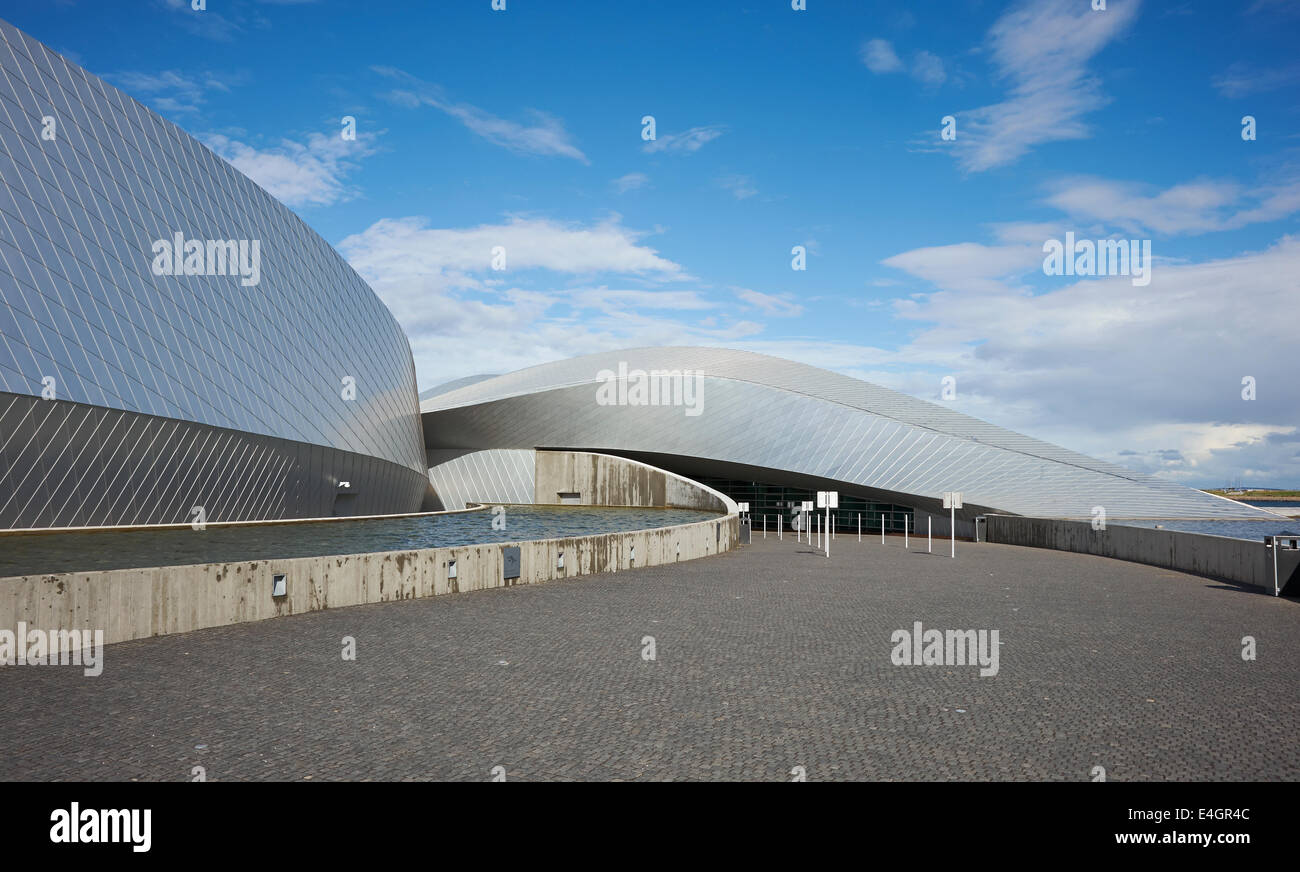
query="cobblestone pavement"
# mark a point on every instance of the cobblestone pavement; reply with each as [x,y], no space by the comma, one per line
[768,658]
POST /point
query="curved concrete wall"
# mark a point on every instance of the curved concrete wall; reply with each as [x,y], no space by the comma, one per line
[138,603]
[525,475]
[1238,560]
[606,480]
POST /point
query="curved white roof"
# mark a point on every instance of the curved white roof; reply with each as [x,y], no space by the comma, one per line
[768,412]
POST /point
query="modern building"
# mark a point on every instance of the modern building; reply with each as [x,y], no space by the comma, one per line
[174,342]
[772,432]
[176,345]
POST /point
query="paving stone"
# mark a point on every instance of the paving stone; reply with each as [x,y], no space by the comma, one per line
[768,658]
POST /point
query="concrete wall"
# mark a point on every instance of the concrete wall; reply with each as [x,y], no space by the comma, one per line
[606,480]
[965,526]
[137,603]
[1238,560]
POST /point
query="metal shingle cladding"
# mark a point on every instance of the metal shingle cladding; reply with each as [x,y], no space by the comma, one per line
[768,412]
[79,302]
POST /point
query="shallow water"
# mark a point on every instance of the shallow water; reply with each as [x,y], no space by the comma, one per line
[1253,530]
[36,554]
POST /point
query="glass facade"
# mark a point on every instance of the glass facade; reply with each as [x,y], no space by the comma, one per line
[773,499]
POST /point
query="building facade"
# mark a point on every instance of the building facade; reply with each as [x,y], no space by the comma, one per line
[176,344]
[772,432]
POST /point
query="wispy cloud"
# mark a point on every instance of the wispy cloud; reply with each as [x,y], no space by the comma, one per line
[1200,206]
[208,23]
[630,182]
[298,174]
[928,69]
[1110,369]
[879,56]
[741,187]
[769,303]
[399,249]
[171,90]
[1242,80]
[545,136]
[439,284]
[690,141]
[1042,49]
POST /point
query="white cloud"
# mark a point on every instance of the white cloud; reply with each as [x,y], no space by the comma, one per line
[691,141]
[769,303]
[1194,207]
[400,248]
[294,173]
[546,136]
[741,187]
[630,182]
[1042,49]
[208,23]
[169,90]
[969,267]
[1242,80]
[928,69]
[463,318]
[1148,377]
[879,56]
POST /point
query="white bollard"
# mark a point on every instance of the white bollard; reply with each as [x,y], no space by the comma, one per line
[882,528]
[929,533]
[765,526]
[905,531]
[859,526]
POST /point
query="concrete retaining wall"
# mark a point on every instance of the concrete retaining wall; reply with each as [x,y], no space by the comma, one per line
[607,480]
[137,603]
[1237,560]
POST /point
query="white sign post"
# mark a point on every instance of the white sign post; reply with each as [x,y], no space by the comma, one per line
[828,500]
[952,502]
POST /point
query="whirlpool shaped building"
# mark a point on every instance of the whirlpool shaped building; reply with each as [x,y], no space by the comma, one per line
[175,344]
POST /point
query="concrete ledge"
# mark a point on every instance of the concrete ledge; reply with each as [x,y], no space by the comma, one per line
[1237,560]
[138,603]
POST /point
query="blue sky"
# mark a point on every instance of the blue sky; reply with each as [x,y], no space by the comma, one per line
[776,128]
